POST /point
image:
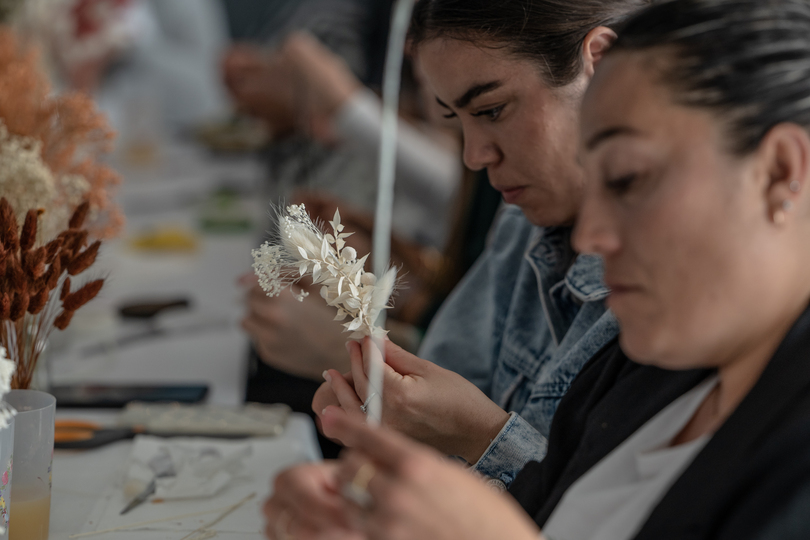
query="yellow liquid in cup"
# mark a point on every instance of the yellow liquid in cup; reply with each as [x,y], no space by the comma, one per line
[29,515]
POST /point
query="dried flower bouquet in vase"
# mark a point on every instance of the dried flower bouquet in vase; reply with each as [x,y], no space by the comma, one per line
[301,248]
[35,284]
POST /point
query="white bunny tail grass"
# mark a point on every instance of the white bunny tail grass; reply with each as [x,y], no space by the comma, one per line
[301,249]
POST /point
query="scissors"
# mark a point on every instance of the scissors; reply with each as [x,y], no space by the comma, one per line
[84,435]
[80,434]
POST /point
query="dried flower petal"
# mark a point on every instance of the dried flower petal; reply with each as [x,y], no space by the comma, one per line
[28,236]
[19,305]
[5,306]
[52,249]
[53,273]
[84,260]
[38,301]
[79,215]
[63,320]
[84,294]
[65,290]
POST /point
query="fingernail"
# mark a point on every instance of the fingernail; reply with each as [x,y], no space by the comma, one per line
[348,345]
[323,412]
[327,377]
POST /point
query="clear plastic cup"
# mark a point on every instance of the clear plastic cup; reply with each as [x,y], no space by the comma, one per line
[30,505]
[6,453]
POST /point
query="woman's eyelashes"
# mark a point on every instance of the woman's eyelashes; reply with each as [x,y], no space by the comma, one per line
[621,184]
[491,114]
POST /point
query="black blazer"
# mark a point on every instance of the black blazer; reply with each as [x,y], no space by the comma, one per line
[756,465]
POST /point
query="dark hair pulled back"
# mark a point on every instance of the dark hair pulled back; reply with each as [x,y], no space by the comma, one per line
[549,32]
[746,60]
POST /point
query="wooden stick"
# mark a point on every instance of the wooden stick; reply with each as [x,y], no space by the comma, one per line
[227,510]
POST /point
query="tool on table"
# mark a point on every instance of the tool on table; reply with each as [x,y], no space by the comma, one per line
[76,434]
[163,467]
[82,435]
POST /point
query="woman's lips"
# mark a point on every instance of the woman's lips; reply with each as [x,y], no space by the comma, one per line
[511,195]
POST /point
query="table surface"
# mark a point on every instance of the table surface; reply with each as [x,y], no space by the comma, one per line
[201,344]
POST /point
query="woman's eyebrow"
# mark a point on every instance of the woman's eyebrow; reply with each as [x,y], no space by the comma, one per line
[475,91]
[608,133]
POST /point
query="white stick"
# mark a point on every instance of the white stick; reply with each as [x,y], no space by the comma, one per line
[227,510]
[385,188]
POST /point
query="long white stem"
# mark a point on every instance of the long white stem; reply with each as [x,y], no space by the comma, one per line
[385,188]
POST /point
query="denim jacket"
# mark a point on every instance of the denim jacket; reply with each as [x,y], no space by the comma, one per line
[520,326]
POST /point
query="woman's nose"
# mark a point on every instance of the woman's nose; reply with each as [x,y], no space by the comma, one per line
[480,152]
[594,231]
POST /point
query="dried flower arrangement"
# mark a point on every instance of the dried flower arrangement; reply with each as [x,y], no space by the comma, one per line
[67,134]
[35,284]
[301,248]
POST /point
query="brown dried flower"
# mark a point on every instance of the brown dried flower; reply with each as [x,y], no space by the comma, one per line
[79,215]
[84,294]
[38,301]
[28,237]
[19,305]
[65,290]
[84,260]
[63,320]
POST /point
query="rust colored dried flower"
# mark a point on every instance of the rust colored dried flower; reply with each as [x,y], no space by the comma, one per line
[72,132]
[52,249]
[5,306]
[63,320]
[8,227]
[65,290]
[38,301]
[79,215]
[15,275]
[84,294]
[76,241]
[51,277]
[28,237]
[84,260]
[34,264]
[19,305]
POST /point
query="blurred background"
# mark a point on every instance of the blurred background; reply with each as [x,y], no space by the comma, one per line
[223,108]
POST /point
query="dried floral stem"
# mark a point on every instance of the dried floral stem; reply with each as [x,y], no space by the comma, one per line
[35,294]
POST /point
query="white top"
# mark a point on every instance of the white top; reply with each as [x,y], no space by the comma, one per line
[614,499]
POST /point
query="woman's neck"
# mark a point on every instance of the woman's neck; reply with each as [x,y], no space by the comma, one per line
[737,376]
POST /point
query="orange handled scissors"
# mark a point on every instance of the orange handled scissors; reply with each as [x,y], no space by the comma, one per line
[79,434]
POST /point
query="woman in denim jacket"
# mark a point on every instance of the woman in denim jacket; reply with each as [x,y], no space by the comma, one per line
[530,313]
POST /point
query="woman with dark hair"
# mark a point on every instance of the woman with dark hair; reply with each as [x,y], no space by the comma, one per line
[695,137]
[526,318]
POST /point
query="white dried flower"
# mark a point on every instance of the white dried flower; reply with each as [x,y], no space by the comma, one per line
[302,249]
[7,369]
[28,183]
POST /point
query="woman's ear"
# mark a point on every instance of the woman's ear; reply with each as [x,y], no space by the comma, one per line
[594,47]
[786,154]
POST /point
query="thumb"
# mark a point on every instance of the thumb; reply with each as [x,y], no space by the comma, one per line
[402,361]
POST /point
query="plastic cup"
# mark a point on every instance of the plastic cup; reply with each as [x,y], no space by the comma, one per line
[6,453]
[30,506]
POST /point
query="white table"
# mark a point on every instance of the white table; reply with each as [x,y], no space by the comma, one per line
[203,344]
[80,478]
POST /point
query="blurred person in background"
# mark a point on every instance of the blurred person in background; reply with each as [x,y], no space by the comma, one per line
[160,56]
